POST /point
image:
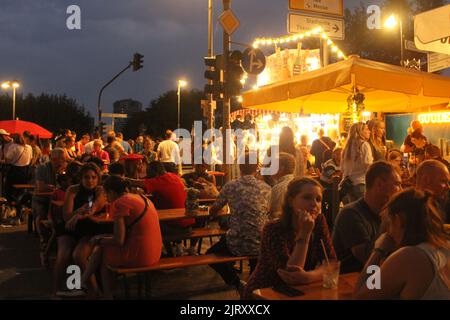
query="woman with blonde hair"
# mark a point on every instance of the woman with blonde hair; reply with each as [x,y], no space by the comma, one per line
[419,266]
[356,159]
[377,131]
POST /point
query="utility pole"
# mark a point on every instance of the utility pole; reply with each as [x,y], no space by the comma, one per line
[226,100]
[210,54]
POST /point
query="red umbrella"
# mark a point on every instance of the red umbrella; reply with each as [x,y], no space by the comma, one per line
[19,126]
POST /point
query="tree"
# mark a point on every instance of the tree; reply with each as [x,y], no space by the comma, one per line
[162,114]
[53,112]
[426,5]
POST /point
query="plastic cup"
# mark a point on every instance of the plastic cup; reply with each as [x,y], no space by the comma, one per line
[331,274]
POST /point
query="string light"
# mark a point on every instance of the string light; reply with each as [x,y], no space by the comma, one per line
[317,32]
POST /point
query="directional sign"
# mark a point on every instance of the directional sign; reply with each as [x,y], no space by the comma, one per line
[432,25]
[229,21]
[437,61]
[299,23]
[440,46]
[253,61]
[332,7]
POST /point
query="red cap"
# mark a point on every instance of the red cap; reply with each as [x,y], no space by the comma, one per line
[133,157]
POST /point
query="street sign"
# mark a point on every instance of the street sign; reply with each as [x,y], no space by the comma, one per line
[253,61]
[432,30]
[410,46]
[299,23]
[440,46]
[114,115]
[438,61]
[432,25]
[229,21]
[332,7]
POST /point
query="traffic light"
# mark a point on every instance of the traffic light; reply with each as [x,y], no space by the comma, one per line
[138,60]
[234,73]
[101,127]
[214,75]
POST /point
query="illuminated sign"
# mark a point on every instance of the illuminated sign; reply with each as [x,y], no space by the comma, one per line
[437,117]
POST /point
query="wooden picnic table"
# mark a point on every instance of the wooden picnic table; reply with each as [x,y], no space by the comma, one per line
[167,215]
[315,291]
[24,186]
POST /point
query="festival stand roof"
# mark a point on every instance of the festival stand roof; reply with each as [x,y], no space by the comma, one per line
[386,88]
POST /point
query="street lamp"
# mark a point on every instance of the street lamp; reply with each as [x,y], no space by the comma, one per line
[14,85]
[181,83]
[391,23]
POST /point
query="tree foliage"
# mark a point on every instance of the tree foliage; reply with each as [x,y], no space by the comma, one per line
[53,112]
[162,114]
[383,45]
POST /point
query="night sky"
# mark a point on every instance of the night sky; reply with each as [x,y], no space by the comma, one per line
[37,48]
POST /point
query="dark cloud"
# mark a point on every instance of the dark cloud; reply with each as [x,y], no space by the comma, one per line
[37,48]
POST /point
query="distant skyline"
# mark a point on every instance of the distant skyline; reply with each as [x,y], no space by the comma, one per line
[38,50]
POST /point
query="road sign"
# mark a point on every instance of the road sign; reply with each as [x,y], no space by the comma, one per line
[229,21]
[432,25]
[332,7]
[438,61]
[114,115]
[440,46]
[410,46]
[253,61]
[299,23]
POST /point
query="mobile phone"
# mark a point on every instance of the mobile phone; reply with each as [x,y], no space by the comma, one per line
[287,290]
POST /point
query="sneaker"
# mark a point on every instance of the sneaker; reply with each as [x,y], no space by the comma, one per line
[77,293]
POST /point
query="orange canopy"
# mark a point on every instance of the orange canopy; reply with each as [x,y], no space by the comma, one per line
[387,88]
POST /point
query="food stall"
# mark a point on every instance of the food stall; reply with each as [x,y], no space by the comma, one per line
[385,89]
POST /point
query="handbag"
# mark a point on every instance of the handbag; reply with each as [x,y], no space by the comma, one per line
[345,187]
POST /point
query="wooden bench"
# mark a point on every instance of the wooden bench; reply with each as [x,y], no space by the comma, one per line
[167,264]
[198,233]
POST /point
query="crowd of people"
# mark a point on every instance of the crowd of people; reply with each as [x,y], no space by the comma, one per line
[283,221]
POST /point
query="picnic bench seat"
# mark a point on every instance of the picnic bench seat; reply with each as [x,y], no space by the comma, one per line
[167,264]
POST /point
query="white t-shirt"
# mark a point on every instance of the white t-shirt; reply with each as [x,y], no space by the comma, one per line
[356,170]
[18,155]
[89,147]
[168,151]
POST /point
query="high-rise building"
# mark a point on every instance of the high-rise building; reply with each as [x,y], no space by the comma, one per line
[128,107]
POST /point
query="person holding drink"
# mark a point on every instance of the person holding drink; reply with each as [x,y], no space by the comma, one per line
[412,256]
[291,246]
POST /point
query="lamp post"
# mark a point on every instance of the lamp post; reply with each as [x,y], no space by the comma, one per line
[391,23]
[181,83]
[14,85]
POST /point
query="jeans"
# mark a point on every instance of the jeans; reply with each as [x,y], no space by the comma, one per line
[226,270]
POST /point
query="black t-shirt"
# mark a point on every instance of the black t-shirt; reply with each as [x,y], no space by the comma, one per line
[355,224]
[408,141]
[318,147]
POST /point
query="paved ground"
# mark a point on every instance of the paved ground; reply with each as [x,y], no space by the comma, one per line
[22,277]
